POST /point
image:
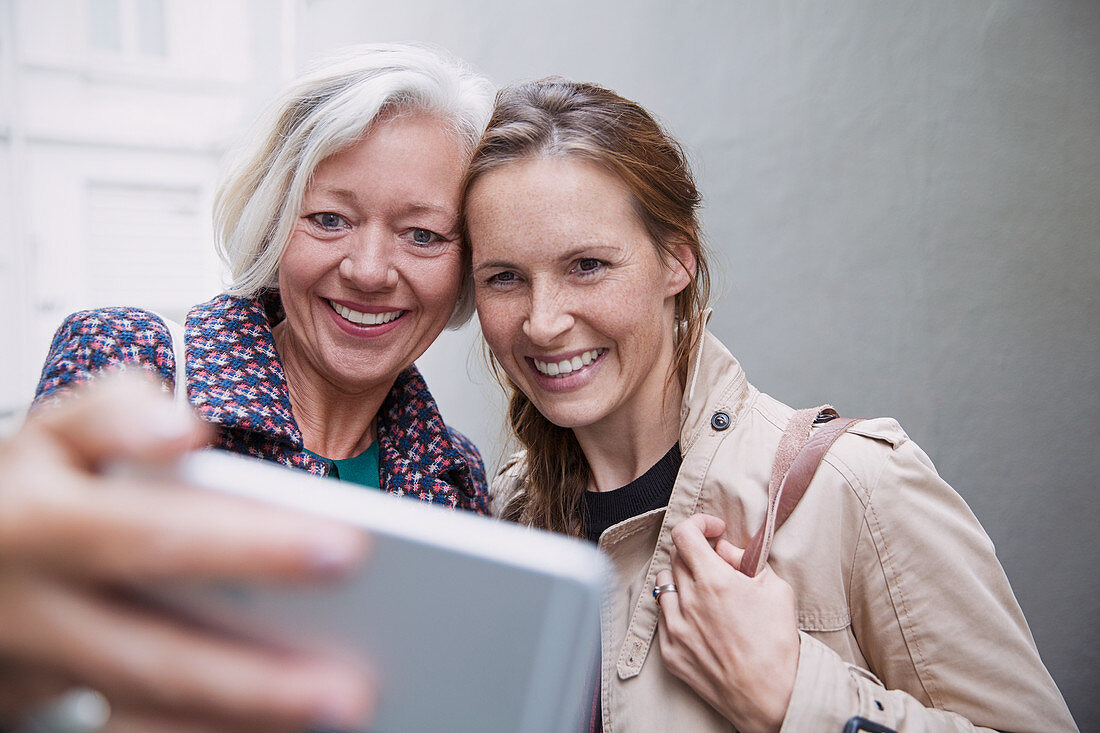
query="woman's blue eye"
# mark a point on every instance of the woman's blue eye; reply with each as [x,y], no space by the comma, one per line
[424,236]
[328,220]
[502,278]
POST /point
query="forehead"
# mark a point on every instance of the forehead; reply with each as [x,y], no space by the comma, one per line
[415,154]
[550,201]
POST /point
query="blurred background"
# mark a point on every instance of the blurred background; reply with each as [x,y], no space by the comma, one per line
[903,200]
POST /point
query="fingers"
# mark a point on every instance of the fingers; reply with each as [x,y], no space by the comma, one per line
[128,533]
[66,533]
[121,651]
[729,552]
[57,514]
[125,530]
[668,602]
[117,416]
[710,525]
[691,540]
[664,577]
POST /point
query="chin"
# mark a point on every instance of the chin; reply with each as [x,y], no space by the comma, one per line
[571,418]
[356,380]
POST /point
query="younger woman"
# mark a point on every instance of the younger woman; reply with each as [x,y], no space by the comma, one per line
[883,598]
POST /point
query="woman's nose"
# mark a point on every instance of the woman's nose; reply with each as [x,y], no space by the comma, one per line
[370,263]
[548,317]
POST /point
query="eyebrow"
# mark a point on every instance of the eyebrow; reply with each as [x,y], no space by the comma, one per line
[344,194]
[592,249]
[493,265]
[348,196]
[586,249]
[419,206]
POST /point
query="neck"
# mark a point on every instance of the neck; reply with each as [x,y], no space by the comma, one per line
[625,448]
[335,422]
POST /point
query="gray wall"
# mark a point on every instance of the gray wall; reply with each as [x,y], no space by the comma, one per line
[905,201]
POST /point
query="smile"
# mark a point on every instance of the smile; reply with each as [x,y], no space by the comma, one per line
[365,319]
[566,367]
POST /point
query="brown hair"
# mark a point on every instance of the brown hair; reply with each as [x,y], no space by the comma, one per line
[555,117]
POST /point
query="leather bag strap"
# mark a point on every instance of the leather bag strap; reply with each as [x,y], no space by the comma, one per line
[800,452]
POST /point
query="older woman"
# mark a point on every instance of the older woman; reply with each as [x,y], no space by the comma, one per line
[882,606]
[340,227]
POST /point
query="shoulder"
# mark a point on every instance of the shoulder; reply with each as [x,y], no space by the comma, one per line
[880,462]
[121,323]
[860,455]
[226,308]
[778,415]
[91,341]
[877,476]
[874,476]
[227,320]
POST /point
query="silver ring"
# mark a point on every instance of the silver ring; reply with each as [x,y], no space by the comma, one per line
[79,710]
[666,588]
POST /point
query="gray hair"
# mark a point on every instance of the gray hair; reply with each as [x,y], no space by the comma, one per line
[325,110]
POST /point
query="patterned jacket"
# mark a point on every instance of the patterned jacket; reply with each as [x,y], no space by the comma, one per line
[236,382]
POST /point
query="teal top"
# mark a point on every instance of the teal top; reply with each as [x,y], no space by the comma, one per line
[361,469]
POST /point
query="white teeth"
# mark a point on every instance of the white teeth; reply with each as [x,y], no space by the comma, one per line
[568,366]
[365,319]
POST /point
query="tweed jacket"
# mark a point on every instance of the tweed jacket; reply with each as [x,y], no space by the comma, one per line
[905,615]
[236,382]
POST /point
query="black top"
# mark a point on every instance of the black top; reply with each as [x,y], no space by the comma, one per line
[649,491]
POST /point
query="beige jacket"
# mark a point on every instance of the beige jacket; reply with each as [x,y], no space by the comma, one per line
[906,616]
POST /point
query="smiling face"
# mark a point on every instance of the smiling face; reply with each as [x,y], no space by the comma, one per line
[573,298]
[373,268]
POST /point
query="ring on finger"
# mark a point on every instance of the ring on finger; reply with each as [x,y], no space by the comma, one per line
[659,590]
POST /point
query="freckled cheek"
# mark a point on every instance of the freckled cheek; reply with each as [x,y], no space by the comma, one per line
[610,309]
[495,325]
[628,315]
[501,325]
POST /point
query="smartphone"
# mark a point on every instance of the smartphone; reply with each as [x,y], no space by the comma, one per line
[471,624]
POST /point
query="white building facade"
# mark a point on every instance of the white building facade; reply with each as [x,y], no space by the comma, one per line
[114,119]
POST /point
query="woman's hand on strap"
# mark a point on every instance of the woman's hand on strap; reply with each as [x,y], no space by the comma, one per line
[733,639]
[73,541]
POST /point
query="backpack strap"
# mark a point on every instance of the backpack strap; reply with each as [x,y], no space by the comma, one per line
[801,450]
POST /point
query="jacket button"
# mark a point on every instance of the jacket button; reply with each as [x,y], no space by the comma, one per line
[720,421]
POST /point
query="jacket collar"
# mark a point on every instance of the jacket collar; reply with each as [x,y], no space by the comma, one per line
[236,380]
[716,384]
[413,440]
